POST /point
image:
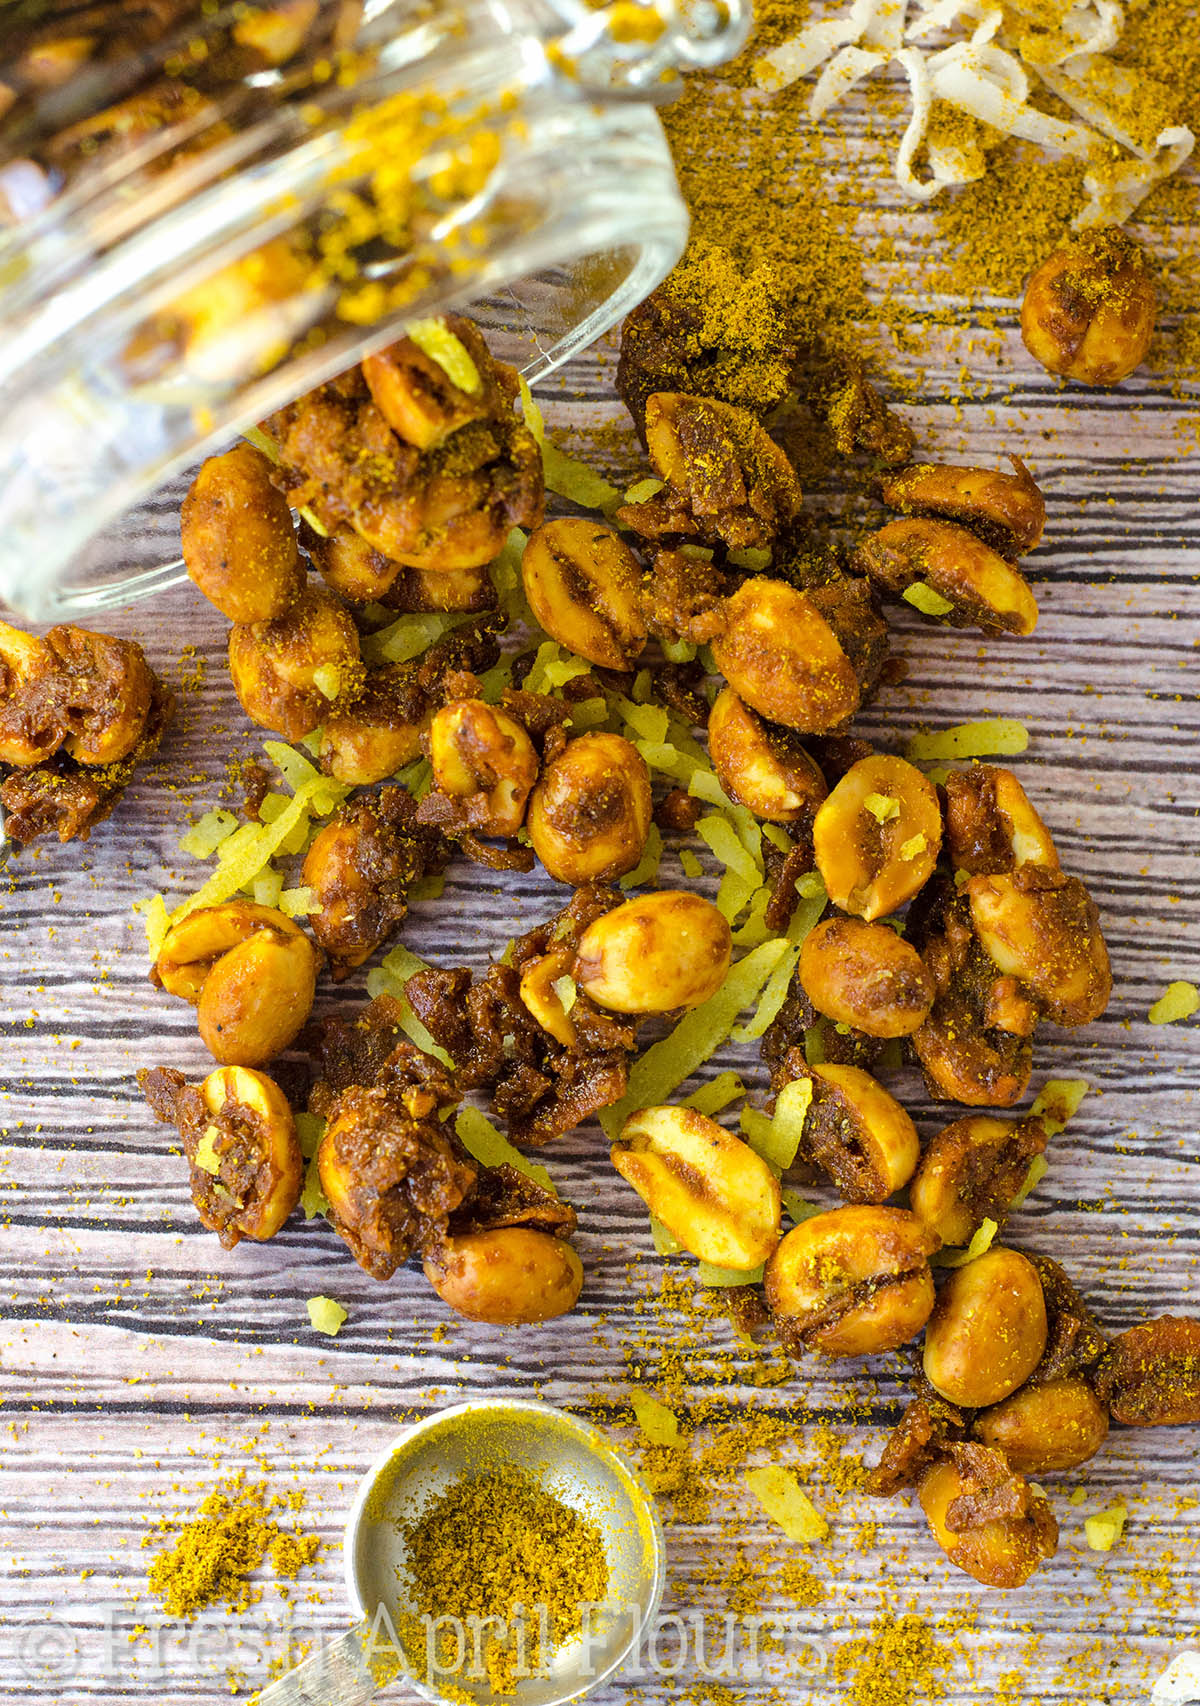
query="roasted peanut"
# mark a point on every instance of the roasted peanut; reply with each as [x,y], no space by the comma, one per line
[1007,511]
[990,824]
[781,656]
[482,755]
[865,976]
[1090,308]
[852,1282]
[1042,927]
[729,481]
[247,1171]
[31,729]
[876,838]
[418,398]
[380,733]
[419,590]
[650,955]
[1001,1551]
[582,581]
[974,1047]
[509,1276]
[763,768]
[392,1175]
[988,1330]
[978,587]
[250,972]
[105,691]
[351,568]
[711,1190]
[540,997]
[360,869]
[858,1134]
[238,540]
[1044,1429]
[287,672]
[1152,1376]
[590,813]
[971,1171]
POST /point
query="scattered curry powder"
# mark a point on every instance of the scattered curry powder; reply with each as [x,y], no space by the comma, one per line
[497,1542]
[899,1664]
[235,1534]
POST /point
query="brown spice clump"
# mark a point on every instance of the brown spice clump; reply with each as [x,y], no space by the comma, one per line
[215,1554]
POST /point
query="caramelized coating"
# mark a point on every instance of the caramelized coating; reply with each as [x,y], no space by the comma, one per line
[708,1188]
[391,1172]
[1043,1430]
[287,673]
[360,868]
[654,954]
[448,508]
[759,766]
[783,658]
[515,1275]
[69,799]
[582,582]
[987,1520]
[419,400]
[855,1131]
[974,1046]
[1007,511]
[104,692]
[250,972]
[589,815]
[852,1282]
[1042,928]
[244,1161]
[971,1171]
[238,540]
[1152,1377]
[981,588]
[484,761]
[842,396]
[31,728]
[876,838]
[1075,1343]
[88,695]
[991,825]
[538,1083]
[865,976]
[727,481]
[988,1330]
[1090,308]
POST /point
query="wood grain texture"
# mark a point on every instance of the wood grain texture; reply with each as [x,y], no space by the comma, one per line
[140,1361]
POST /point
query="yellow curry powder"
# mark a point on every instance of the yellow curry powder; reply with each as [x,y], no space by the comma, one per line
[234,1534]
[497,1544]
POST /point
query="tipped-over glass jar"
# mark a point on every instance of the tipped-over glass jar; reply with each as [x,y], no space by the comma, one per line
[206,210]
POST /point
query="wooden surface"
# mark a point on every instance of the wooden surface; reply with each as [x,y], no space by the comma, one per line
[140,1361]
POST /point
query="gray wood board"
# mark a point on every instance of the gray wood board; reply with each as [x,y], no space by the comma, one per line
[140,1361]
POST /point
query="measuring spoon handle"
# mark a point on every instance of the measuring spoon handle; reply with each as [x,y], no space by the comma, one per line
[346,1672]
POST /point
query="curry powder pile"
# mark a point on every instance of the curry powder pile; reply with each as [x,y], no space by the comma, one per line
[234,1534]
[498,1544]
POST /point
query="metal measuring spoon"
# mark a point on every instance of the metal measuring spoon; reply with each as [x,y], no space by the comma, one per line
[569,1457]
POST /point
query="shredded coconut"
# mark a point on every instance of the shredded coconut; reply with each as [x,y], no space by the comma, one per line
[987,75]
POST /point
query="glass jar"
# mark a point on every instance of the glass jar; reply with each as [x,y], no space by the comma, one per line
[205,213]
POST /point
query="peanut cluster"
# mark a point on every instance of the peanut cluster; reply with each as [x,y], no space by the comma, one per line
[78,712]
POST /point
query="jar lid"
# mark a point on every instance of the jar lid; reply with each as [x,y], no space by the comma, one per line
[204,222]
